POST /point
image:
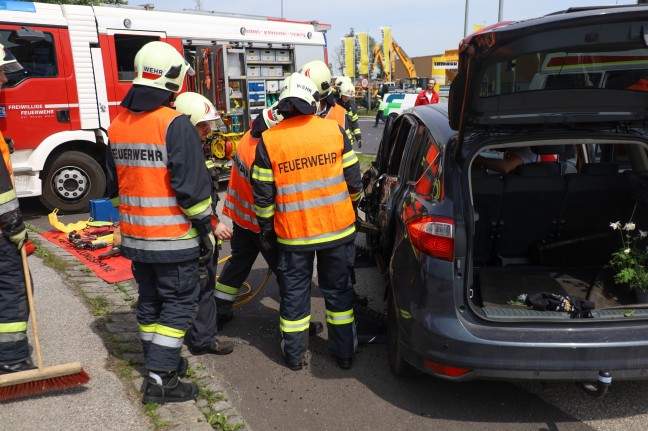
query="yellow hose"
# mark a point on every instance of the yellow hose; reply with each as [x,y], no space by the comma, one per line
[247,295]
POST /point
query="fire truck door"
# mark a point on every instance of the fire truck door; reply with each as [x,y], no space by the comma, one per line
[35,103]
[118,49]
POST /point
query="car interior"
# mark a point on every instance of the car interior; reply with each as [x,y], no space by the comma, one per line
[546,227]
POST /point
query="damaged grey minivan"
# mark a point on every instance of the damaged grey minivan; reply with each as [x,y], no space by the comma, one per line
[494,275]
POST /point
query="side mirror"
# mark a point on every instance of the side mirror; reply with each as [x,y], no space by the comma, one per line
[29,35]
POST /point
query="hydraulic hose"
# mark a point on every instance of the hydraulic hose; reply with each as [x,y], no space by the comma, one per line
[248,294]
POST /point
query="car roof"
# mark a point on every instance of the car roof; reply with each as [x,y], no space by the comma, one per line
[435,118]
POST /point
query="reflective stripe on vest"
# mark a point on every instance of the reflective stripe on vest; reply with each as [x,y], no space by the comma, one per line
[149,212]
[239,199]
[312,201]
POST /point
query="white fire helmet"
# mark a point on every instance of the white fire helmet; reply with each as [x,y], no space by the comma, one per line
[160,65]
[320,74]
[341,80]
[299,86]
[9,61]
[347,89]
[270,116]
[199,109]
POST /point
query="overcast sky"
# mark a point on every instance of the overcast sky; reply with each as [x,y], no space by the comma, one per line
[421,27]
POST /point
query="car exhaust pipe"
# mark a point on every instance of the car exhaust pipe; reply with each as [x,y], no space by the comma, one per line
[601,387]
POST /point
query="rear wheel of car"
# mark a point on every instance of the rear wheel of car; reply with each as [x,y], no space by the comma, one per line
[397,364]
[71,181]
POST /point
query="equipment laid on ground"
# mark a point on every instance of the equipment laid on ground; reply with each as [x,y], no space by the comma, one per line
[40,380]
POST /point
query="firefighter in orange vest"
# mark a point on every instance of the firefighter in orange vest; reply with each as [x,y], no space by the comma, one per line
[201,338]
[306,183]
[239,206]
[14,345]
[320,74]
[156,174]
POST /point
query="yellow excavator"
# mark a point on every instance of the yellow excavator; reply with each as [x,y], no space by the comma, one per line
[402,56]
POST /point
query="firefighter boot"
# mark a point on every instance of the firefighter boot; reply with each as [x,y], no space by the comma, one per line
[183,367]
[165,387]
[23,365]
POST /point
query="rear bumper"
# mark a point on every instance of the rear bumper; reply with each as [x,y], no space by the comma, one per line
[524,359]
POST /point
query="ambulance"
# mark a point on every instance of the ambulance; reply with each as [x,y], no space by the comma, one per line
[78,66]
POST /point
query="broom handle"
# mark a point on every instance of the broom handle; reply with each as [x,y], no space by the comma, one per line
[32,309]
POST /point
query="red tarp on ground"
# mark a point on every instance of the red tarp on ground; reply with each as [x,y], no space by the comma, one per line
[112,270]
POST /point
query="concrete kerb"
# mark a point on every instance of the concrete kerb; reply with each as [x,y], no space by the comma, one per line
[118,330]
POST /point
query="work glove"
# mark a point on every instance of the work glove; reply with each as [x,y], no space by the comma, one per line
[359,143]
[19,238]
[207,246]
[268,240]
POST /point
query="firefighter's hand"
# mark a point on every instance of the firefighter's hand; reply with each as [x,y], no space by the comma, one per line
[268,240]
[359,143]
[223,232]
[207,246]
[19,238]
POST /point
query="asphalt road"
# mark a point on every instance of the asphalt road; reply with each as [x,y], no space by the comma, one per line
[368,397]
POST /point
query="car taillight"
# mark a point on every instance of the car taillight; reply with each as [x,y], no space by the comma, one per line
[433,235]
[445,370]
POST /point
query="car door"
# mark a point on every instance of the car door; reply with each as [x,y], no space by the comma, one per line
[390,182]
[373,178]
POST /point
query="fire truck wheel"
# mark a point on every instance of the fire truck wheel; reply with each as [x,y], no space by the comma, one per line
[71,181]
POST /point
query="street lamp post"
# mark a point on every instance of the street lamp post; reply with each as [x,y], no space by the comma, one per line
[466,19]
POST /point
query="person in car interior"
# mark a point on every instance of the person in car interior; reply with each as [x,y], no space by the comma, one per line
[511,160]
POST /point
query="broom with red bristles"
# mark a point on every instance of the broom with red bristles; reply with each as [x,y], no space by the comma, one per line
[40,380]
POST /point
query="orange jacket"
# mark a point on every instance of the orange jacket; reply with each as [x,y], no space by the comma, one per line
[312,203]
[4,148]
[337,113]
[239,200]
[147,203]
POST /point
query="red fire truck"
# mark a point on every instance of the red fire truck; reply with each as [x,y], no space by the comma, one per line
[78,65]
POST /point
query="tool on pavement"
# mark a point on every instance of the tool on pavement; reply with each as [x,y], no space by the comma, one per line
[67,228]
[114,251]
[40,380]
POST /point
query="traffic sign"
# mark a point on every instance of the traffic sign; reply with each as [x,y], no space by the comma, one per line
[364,82]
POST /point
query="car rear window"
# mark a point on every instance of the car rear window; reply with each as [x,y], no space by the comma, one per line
[616,70]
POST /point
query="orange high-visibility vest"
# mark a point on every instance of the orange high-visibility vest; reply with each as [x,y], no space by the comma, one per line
[147,203]
[312,204]
[239,200]
[4,148]
[8,198]
[337,113]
